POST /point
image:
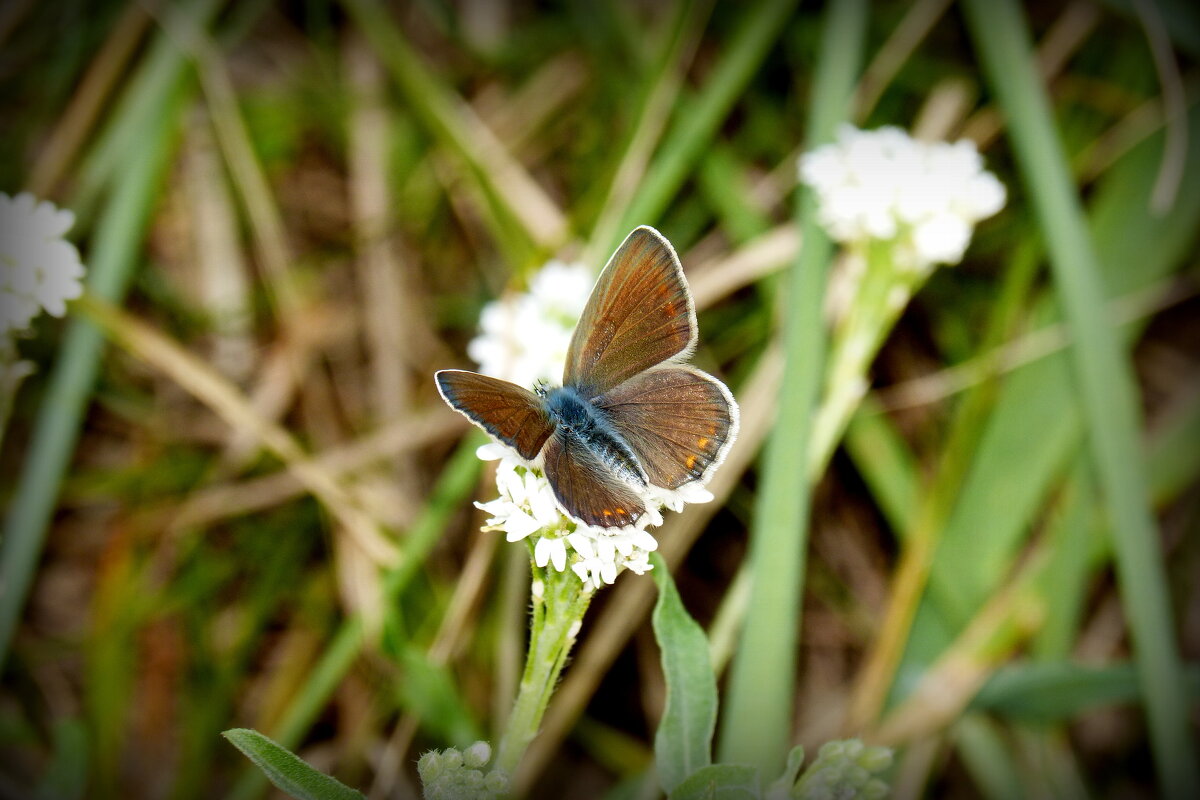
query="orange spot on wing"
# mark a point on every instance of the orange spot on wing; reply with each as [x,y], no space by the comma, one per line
[712,429]
[606,512]
[691,461]
[702,441]
[620,510]
[669,310]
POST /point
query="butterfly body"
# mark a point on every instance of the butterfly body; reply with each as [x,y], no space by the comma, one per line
[630,414]
[589,425]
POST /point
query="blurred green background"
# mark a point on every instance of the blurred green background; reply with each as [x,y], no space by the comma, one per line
[238,500]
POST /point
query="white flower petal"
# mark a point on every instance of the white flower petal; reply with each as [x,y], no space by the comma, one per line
[558,553]
[582,545]
[541,552]
[519,525]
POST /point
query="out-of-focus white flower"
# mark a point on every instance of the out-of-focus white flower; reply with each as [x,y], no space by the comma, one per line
[39,269]
[524,336]
[883,184]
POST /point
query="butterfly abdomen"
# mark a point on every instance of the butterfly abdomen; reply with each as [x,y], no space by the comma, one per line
[579,419]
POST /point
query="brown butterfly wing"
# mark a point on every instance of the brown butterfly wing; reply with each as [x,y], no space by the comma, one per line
[640,314]
[679,421]
[513,415]
[585,489]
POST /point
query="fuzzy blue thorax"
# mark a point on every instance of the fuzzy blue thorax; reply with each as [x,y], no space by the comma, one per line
[576,417]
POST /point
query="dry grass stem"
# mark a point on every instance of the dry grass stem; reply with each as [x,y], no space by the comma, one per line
[224,399]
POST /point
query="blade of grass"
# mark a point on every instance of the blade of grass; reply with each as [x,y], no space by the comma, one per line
[102,73]
[757,727]
[138,109]
[1036,426]
[654,111]
[111,262]
[500,176]
[458,478]
[1105,385]
[692,134]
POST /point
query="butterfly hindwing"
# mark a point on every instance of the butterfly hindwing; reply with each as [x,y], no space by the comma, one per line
[513,415]
[679,421]
[585,489]
[640,314]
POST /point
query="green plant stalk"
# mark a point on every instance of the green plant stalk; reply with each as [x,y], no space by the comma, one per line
[688,139]
[111,263]
[560,600]
[856,340]
[1104,382]
[758,723]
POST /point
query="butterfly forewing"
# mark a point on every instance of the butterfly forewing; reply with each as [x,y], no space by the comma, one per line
[679,421]
[585,488]
[639,315]
[513,415]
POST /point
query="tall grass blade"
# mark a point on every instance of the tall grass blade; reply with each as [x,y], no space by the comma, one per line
[687,140]
[111,261]
[1104,383]
[758,722]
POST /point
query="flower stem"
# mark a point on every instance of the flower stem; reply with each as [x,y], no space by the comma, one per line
[560,600]
[881,295]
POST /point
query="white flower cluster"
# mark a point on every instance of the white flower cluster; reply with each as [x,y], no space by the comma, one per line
[524,339]
[525,336]
[526,507]
[39,269]
[886,185]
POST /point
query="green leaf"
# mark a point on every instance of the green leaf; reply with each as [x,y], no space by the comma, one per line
[719,782]
[683,743]
[1103,377]
[1054,692]
[287,770]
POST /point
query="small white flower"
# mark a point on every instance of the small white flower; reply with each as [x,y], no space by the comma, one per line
[885,185]
[525,504]
[551,550]
[39,270]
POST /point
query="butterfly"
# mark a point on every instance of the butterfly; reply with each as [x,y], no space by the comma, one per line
[630,414]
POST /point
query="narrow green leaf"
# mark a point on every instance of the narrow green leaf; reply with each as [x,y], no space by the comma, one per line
[111,260]
[683,742]
[985,754]
[287,770]
[757,725]
[1060,691]
[719,782]
[690,136]
[1103,379]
